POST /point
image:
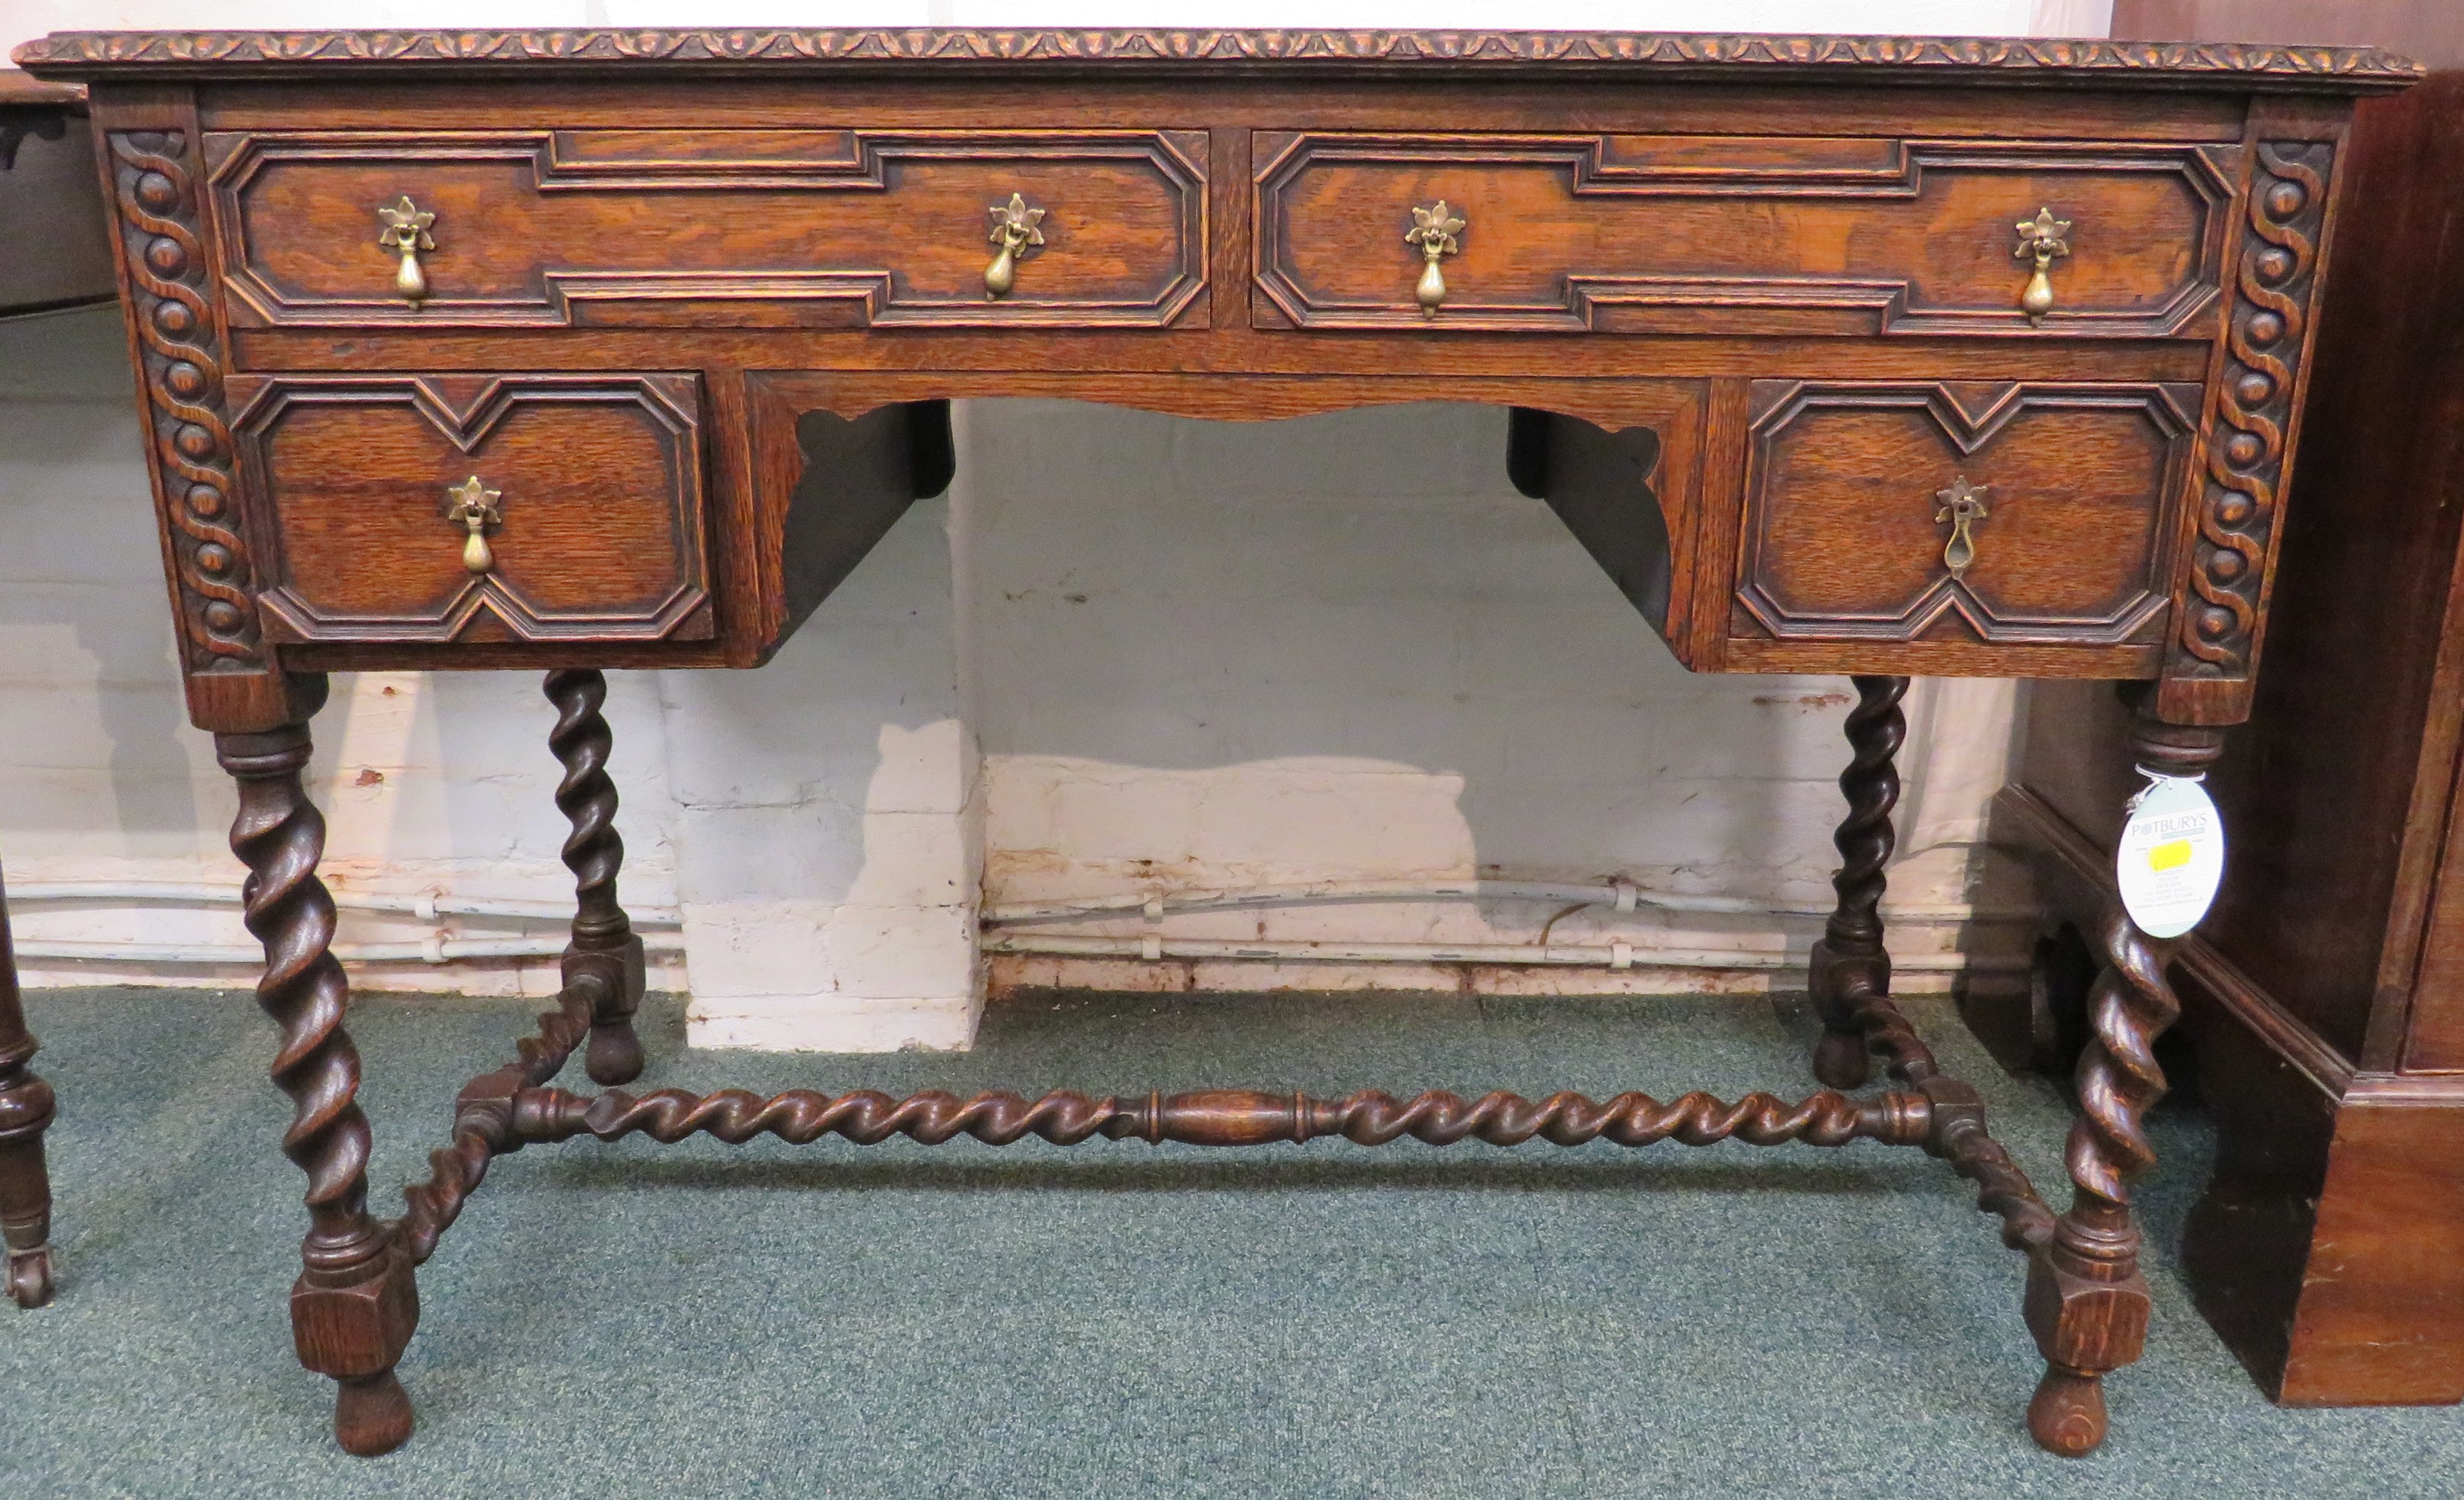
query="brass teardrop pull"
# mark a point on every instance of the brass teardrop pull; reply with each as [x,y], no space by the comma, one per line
[1018,230]
[1435,230]
[2043,239]
[1963,505]
[474,507]
[405,232]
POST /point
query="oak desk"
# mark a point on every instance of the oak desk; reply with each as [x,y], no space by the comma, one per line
[577,350]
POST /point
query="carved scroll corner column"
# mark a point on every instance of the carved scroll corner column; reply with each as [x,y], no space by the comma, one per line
[2247,438]
[156,178]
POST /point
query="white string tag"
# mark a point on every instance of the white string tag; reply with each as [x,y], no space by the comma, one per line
[2171,856]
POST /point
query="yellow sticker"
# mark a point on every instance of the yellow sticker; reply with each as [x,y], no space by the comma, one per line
[2170,855]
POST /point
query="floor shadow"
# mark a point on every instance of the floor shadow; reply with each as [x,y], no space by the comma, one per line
[1175,1171]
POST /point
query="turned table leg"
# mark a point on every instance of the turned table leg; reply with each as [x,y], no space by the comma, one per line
[355,1304]
[25,1110]
[604,944]
[1850,974]
[2087,1303]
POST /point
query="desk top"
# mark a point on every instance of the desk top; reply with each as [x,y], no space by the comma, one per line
[1921,60]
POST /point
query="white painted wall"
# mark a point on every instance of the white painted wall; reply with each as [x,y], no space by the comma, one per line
[1129,655]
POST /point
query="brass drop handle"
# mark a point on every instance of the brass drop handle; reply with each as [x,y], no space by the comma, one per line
[474,507]
[1963,505]
[2043,239]
[1436,231]
[1018,230]
[405,232]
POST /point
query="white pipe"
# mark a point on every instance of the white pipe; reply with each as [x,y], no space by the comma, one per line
[1619,896]
[423,905]
[443,952]
[1610,956]
[1622,895]
[426,905]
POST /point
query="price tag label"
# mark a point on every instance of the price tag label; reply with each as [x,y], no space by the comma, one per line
[2171,858]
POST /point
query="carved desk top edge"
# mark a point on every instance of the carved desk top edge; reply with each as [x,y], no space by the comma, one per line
[1874,59]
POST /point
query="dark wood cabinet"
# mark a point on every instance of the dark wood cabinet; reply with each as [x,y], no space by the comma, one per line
[2325,993]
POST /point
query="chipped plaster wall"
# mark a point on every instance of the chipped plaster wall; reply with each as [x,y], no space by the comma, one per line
[1194,655]
[1343,648]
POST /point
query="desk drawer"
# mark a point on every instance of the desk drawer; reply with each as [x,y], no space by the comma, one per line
[1859,499]
[1740,235]
[481,508]
[727,228]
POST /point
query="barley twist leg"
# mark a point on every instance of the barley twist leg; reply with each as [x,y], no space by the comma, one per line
[603,941]
[1850,974]
[2087,1303]
[354,1307]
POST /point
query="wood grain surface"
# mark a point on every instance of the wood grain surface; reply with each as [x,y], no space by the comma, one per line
[1843,535]
[600,486]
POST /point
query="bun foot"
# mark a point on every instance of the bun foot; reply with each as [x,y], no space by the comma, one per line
[615,1055]
[1841,1061]
[2067,1415]
[29,1276]
[372,1415]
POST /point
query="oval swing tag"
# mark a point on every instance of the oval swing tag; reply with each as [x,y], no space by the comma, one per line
[2171,857]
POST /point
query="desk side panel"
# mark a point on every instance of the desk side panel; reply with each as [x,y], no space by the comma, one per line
[149,150]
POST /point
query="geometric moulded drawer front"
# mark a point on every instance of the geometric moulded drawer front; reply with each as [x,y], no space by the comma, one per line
[584,522]
[2011,513]
[713,228]
[1791,236]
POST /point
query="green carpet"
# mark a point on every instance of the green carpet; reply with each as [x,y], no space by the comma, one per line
[1112,1319]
